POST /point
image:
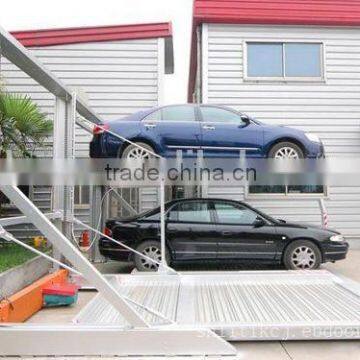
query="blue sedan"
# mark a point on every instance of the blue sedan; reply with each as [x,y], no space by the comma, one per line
[217,130]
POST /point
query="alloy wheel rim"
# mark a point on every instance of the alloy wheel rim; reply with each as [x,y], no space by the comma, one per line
[286,152]
[153,252]
[303,258]
[137,153]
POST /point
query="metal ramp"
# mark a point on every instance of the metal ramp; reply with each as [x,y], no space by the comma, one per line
[250,305]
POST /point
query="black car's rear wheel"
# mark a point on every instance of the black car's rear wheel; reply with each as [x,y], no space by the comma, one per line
[286,150]
[151,249]
[302,255]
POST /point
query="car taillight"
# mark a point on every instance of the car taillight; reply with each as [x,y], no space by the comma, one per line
[107,232]
[100,129]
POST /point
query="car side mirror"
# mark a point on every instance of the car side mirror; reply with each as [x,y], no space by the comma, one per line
[245,120]
[282,221]
[259,222]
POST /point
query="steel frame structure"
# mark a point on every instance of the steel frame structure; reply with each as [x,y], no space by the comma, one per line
[190,332]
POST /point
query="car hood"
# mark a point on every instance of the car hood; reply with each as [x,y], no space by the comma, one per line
[282,129]
[307,226]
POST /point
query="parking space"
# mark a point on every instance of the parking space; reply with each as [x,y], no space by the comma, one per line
[246,350]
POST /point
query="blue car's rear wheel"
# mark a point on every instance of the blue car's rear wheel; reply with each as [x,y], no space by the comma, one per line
[134,152]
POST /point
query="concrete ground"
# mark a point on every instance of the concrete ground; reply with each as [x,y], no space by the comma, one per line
[279,350]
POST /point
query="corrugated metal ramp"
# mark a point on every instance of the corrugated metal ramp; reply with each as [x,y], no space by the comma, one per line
[256,305]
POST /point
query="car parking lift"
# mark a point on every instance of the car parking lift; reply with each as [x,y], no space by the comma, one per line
[165,313]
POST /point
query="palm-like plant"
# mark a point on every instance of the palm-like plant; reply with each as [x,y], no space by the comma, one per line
[22,125]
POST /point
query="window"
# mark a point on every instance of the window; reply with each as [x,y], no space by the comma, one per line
[232,214]
[81,195]
[178,113]
[194,211]
[173,113]
[214,114]
[287,189]
[284,60]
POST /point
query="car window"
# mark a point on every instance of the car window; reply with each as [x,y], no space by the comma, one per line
[154,116]
[194,211]
[214,114]
[178,113]
[153,217]
[233,214]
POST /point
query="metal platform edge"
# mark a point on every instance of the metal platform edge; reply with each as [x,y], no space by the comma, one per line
[73,340]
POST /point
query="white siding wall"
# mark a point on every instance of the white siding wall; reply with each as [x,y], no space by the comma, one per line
[118,78]
[330,108]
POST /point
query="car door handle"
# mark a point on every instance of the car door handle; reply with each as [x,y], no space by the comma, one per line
[208,127]
[150,125]
[226,233]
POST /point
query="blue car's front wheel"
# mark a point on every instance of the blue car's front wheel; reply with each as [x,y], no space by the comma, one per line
[286,150]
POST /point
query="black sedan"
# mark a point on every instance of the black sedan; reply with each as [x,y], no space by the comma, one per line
[226,231]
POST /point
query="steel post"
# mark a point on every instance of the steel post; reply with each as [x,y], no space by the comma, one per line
[162,213]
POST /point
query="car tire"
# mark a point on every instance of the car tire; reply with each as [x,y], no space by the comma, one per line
[152,249]
[133,152]
[302,255]
[286,149]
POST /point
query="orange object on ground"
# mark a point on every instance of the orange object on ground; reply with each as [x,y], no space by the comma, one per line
[28,301]
[85,239]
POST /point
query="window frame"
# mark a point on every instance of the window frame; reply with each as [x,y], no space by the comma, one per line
[286,195]
[209,208]
[285,79]
[81,205]
[201,106]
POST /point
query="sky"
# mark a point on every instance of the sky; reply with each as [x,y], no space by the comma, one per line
[40,14]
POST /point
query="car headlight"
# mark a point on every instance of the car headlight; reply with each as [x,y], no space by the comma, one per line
[313,137]
[337,238]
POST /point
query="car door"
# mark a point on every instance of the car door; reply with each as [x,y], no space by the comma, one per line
[172,128]
[239,238]
[225,133]
[190,231]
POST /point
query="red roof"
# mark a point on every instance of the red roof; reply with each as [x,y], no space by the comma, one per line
[275,12]
[280,12]
[31,38]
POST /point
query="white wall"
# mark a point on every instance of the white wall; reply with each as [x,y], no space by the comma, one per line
[116,78]
[330,108]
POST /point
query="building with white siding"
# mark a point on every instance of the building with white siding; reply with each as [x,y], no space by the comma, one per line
[117,69]
[286,63]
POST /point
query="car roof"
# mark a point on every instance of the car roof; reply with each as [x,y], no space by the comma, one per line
[205,199]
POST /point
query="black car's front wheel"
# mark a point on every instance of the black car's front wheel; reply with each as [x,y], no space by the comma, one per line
[302,255]
[152,250]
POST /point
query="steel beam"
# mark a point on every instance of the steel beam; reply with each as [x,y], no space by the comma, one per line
[72,254]
[96,194]
[17,220]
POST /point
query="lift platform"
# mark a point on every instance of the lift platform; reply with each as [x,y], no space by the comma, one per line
[250,305]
